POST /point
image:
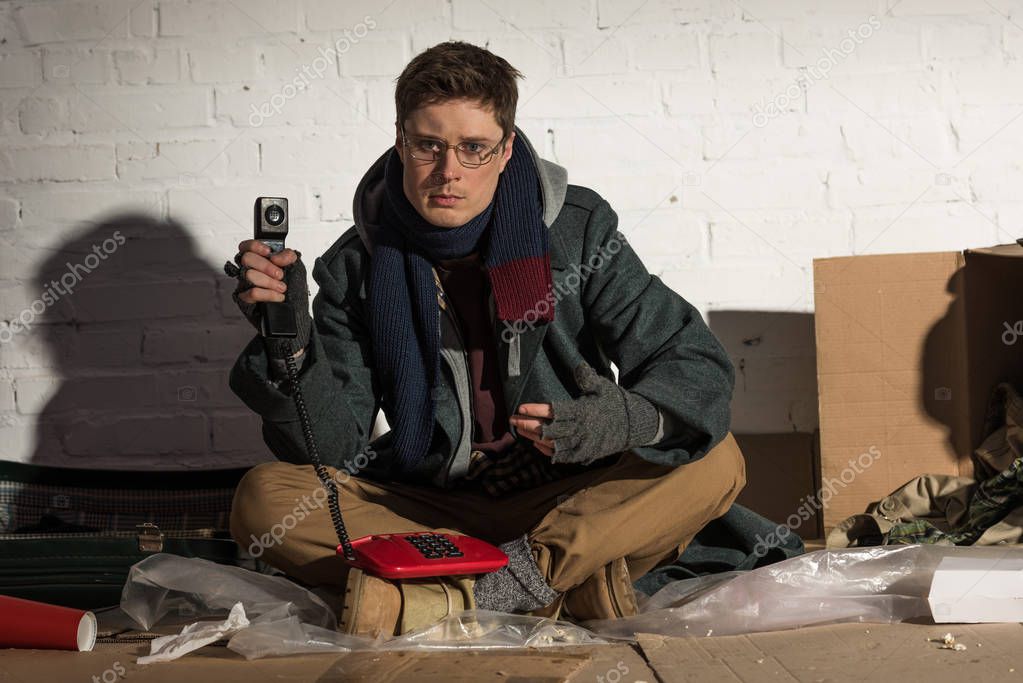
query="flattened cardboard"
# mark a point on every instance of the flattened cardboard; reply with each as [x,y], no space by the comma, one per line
[219,665]
[541,666]
[842,652]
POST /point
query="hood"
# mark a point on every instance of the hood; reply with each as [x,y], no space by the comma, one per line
[370,192]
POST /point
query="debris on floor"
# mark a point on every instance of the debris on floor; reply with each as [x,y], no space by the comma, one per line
[948,642]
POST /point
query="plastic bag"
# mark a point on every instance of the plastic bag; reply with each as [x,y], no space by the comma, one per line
[164,583]
[289,636]
[881,584]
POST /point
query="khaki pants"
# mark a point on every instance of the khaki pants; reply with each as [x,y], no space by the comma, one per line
[628,508]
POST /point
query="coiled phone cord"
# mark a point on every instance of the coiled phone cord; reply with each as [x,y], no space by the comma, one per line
[321,471]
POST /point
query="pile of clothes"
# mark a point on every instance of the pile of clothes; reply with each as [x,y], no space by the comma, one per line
[948,510]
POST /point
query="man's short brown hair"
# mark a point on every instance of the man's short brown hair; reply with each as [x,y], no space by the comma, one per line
[459,70]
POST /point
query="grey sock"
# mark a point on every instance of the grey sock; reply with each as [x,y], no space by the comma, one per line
[517,587]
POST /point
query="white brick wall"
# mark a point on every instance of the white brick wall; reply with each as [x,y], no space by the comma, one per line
[737,141]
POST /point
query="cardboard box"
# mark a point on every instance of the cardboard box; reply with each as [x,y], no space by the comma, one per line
[909,348]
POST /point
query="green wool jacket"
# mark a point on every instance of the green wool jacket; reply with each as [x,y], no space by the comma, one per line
[608,308]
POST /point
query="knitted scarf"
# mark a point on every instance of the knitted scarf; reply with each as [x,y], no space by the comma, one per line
[404,311]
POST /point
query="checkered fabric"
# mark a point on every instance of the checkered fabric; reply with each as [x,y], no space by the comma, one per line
[519,467]
[992,501]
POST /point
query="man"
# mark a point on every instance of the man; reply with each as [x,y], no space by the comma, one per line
[478,301]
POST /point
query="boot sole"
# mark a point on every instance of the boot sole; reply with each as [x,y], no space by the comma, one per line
[351,599]
[610,603]
[616,604]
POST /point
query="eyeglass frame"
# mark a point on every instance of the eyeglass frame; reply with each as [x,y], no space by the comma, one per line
[490,154]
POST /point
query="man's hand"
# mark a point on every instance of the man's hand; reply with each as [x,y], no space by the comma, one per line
[527,422]
[261,277]
[605,419]
[266,277]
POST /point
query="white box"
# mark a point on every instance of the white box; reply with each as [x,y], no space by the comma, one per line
[978,590]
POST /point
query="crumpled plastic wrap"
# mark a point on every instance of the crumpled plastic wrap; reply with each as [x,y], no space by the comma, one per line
[289,636]
[164,583]
[883,584]
[194,636]
[880,584]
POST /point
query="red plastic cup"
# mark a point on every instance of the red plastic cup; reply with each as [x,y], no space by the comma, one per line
[37,625]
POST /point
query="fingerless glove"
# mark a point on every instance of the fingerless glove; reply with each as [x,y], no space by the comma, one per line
[605,419]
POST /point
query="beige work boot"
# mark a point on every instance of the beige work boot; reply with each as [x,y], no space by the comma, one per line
[370,605]
[374,606]
[605,594]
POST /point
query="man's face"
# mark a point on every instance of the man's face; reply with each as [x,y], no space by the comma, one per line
[444,192]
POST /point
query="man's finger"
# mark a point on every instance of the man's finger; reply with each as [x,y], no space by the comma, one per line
[526,423]
[263,280]
[536,410]
[545,449]
[521,427]
[258,294]
[534,436]
[262,265]
[254,246]
[285,258]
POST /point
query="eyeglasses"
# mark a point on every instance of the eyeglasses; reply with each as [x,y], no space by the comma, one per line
[469,154]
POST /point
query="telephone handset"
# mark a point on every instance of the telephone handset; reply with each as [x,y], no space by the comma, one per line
[277,320]
[392,556]
[270,223]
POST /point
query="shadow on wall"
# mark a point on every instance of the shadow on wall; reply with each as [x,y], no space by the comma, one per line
[974,347]
[943,386]
[139,333]
[775,357]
